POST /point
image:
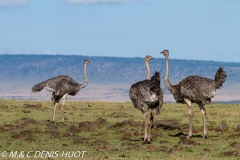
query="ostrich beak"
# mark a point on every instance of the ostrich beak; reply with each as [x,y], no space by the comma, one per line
[161,52]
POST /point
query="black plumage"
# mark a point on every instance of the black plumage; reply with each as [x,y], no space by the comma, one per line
[146,95]
[195,89]
[61,87]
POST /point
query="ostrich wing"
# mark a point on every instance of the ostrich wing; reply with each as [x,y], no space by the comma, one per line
[67,86]
[61,85]
[53,83]
[197,88]
[141,91]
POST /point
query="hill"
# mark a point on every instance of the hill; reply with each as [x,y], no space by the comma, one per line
[109,77]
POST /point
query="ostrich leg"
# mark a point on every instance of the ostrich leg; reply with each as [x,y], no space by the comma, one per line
[146,138]
[203,113]
[54,111]
[150,125]
[145,117]
[63,104]
[191,114]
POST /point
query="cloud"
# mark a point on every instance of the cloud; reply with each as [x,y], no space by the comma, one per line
[48,52]
[98,1]
[8,3]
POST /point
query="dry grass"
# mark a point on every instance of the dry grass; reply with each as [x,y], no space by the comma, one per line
[114,131]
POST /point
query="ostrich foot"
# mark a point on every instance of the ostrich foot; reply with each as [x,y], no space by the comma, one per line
[188,136]
[146,141]
[205,137]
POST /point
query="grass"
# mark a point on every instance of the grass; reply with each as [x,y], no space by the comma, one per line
[113,131]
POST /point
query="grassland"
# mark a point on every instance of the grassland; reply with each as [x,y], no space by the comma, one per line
[114,131]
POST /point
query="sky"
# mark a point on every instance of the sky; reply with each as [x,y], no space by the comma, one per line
[189,29]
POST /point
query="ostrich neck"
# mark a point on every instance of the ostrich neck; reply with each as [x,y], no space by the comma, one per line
[85,77]
[148,70]
[166,79]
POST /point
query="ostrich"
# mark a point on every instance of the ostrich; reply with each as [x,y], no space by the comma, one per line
[146,95]
[61,87]
[194,89]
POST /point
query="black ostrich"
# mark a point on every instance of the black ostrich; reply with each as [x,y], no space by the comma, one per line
[61,87]
[146,95]
[194,89]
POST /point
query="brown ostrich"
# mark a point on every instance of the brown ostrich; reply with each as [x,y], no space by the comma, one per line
[61,87]
[194,89]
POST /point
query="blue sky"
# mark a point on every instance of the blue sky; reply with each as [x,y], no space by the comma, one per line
[189,29]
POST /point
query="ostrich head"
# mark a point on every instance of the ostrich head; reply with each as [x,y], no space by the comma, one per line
[165,52]
[86,61]
[148,58]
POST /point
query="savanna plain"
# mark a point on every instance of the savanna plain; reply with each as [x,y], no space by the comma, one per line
[112,130]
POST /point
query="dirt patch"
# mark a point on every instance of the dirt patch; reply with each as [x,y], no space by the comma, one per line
[74,129]
[126,135]
[27,132]
[98,142]
[163,148]
[126,123]
[237,129]
[70,136]
[80,140]
[9,127]
[133,147]
[101,147]
[54,133]
[185,141]
[234,135]
[206,150]
[90,126]
[32,106]
[235,145]
[222,128]
[230,153]
[152,147]
[2,129]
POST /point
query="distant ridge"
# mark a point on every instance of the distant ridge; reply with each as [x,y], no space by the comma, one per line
[109,77]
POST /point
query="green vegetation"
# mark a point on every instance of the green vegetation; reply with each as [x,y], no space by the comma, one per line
[114,131]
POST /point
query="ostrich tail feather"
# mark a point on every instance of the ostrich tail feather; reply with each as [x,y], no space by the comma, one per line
[155,82]
[38,87]
[220,77]
[155,87]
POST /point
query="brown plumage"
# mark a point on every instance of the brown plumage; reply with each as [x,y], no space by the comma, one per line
[146,95]
[194,89]
[61,87]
